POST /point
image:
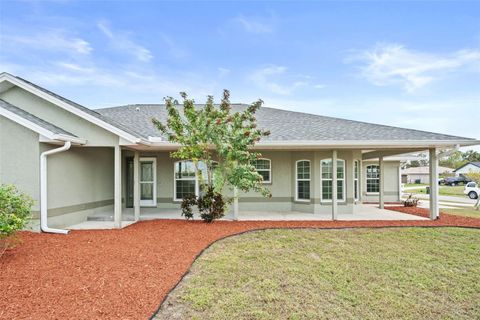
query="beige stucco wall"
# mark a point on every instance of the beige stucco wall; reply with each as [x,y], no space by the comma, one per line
[19,158]
[47,111]
[80,181]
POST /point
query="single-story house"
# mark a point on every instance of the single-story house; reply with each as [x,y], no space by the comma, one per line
[75,161]
[471,167]
[421,174]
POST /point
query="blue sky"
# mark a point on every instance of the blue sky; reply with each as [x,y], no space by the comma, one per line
[408,64]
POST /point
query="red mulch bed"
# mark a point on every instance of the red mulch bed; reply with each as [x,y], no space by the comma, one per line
[125,274]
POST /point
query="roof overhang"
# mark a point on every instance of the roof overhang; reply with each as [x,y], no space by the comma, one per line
[398,146]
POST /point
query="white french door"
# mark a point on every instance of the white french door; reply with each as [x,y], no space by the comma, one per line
[148,182]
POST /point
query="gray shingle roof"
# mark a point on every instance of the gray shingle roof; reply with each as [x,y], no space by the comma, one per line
[284,125]
[128,129]
[30,117]
[475,163]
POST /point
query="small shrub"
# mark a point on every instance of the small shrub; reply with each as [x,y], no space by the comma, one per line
[15,208]
[187,206]
[211,205]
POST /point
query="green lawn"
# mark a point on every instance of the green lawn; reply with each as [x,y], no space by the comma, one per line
[444,191]
[464,211]
[407,185]
[410,273]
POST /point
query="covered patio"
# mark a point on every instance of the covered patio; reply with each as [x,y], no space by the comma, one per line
[358,210]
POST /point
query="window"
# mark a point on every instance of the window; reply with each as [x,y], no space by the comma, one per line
[185,179]
[356,175]
[326,179]
[264,168]
[187,176]
[303,180]
[373,178]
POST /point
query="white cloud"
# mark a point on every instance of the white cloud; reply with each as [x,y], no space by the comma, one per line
[253,25]
[391,64]
[49,40]
[223,72]
[75,67]
[263,79]
[123,43]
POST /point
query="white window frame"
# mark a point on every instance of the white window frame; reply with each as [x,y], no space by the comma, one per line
[183,179]
[367,178]
[343,180]
[197,182]
[297,180]
[356,179]
[269,170]
[153,202]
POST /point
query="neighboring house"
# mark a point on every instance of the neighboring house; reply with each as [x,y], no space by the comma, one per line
[421,174]
[75,161]
[470,167]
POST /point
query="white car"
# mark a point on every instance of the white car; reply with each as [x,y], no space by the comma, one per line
[472,190]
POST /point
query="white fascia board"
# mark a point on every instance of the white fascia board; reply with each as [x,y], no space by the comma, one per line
[158,143]
[69,108]
[125,142]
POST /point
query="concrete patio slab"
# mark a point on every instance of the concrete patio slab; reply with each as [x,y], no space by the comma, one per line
[362,212]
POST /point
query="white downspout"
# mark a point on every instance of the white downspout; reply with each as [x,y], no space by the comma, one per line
[44,191]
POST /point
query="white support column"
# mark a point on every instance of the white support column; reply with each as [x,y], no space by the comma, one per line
[381,201]
[136,186]
[235,203]
[334,186]
[434,208]
[117,206]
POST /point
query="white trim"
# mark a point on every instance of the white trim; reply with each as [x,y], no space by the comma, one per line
[38,129]
[297,180]
[175,180]
[343,182]
[67,106]
[269,170]
[158,143]
[366,178]
[153,202]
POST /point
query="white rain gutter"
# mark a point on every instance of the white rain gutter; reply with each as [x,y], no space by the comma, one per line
[43,188]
